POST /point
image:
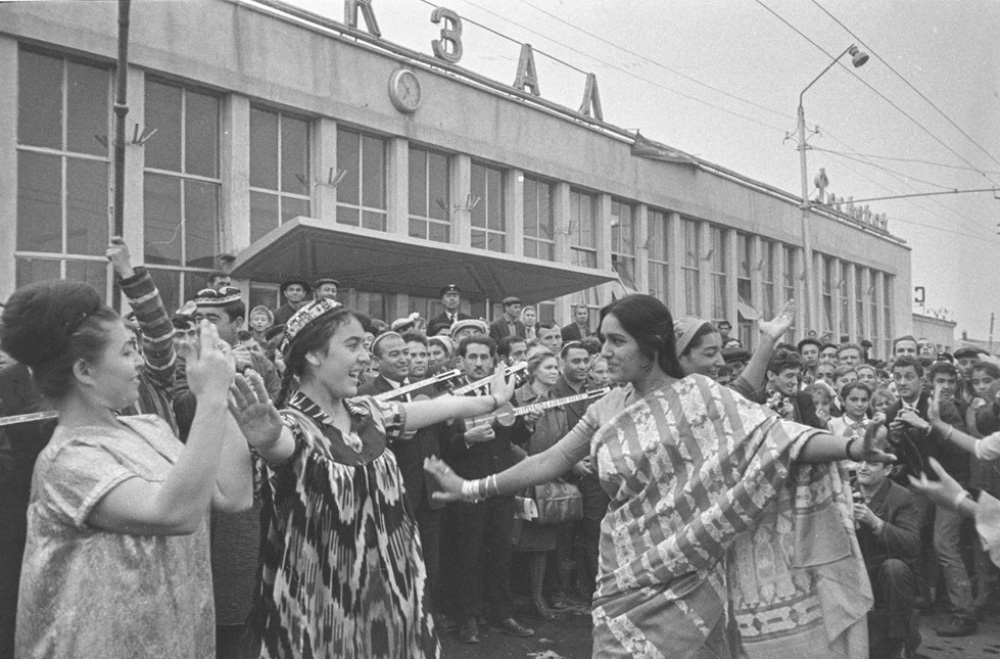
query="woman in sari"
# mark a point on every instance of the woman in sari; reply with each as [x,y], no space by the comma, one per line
[695,473]
[342,571]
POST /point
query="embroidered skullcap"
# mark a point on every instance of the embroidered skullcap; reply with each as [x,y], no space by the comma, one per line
[210,297]
[306,314]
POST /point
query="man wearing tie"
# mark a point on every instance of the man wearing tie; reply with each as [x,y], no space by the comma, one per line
[451,299]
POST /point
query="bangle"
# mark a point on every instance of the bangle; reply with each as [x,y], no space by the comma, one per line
[951,430]
[470,490]
[959,498]
[847,447]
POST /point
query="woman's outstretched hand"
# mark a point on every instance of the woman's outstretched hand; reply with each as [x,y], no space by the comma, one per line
[777,326]
[876,436]
[502,386]
[253,410]
[449,483]
[942,492]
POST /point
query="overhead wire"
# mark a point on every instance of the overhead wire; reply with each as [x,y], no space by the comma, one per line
[889,66]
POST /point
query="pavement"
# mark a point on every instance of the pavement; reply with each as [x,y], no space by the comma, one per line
[568,637]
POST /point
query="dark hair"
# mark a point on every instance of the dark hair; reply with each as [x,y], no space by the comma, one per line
[243,335]
[413,336]
[809,341]
[648,321]
[592,344]
[49,326]
[216,274]
[942,367]
[841,371]
[313,337]
[989,368]
[782,360]
[545,324]
[846,389]
[233,310]
[911,361]
[572,345]
[480,339]
[905,337]
[827,346]
[503,348]
[850,346]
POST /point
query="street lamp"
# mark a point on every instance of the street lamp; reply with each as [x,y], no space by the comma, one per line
[858,58]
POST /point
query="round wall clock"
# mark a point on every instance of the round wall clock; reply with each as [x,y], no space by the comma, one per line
[404,91]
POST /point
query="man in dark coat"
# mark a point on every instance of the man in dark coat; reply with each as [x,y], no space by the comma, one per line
[296,293]
[781,393]
[579,329]
[509,324]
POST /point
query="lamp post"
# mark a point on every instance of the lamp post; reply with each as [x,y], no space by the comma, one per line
[858,58]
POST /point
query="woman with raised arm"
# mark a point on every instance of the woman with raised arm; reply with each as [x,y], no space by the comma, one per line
[117,557]
[713,511]
[342,568]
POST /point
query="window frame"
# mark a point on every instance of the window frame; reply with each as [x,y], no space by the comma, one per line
[278,193]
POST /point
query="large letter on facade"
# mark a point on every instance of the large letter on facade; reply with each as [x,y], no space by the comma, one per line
[591,99]
[351,8]
[451,35]
[527,75]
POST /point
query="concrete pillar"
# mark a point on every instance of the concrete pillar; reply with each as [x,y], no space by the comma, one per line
[461,188]
[234,159]
[514,207]
[324,162]
[604,245]
[730,266]
[705,269]
[397,186]
[675,258]
[8,164]
[561,223]
[642,233]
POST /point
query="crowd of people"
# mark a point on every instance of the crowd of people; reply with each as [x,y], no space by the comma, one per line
[308,481]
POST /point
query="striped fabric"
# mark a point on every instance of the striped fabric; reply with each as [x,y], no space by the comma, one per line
[709,516]
[156,379]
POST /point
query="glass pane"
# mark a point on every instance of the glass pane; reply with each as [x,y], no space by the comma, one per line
[294,155]
[478,188]
[168,283]
[87,215]
[39,100]
[28,271]
[163,225]
[348,215]
[531,248]
[39,202]
[202,135]
[262,294]
[94,273]
[87,109]
[263,149]
[373,172]
[495,197]
[545,219]
[373,220]
[530,195]
[263,214]
[497,242]
[348,160]
[418,182]
[478,239]
[163,112]
[417,228]
[201,219]
[547,251]
[439,232]
[437,176]
[292,208]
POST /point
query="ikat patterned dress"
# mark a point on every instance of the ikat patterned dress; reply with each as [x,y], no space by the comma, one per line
[342,570]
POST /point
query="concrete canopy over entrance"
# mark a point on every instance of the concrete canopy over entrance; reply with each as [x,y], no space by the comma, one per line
[380,262]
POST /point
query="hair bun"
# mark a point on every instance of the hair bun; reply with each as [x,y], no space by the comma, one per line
[39,319]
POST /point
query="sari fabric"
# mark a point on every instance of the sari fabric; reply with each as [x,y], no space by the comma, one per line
[715,543]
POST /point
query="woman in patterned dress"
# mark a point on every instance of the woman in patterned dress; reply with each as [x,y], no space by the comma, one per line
[342,569]
[695,474]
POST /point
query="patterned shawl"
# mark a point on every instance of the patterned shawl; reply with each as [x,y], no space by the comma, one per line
[715,544]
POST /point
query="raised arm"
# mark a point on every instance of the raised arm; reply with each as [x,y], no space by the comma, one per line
[824,447]
[178,505]
[771,332]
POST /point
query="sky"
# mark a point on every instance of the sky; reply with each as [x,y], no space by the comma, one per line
[721,78]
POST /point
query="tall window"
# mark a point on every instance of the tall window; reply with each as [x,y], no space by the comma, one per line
[279,170]
[692,283]
[489,222]
[767,305]
[623,242]
[539,220]
[265,294]
[430,206]
[845,269]
[859,302]
[181,188]
[826,289]
[361,193]
[720,310]
[788,283]
[583,228]
[744,290]
[887,310]
[63,160]
[659,272]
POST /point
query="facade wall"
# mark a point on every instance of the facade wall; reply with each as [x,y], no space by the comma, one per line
[260,119]
[938,331]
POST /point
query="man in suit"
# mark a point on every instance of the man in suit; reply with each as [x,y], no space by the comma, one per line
[579,329]
[888,529]
[296,293]
[781,392]
[509,324]
[395,356]
[451,299]
[915,440]
[479,534]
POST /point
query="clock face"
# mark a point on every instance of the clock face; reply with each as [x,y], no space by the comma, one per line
[404,91]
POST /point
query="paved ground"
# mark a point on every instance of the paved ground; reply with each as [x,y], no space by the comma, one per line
[568,637]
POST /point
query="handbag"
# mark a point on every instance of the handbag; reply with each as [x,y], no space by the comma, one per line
[557,501]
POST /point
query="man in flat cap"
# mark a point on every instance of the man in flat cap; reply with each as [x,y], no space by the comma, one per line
[296,293]
[451,299]
[467,327]
[326,288]
[509,324]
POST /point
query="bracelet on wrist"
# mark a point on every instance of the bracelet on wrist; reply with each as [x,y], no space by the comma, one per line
[959,498]
[847,447]
[951,431]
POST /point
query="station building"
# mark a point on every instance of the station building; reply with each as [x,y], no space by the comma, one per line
[303,146]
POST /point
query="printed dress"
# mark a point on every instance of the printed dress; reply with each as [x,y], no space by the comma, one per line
[342,569]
